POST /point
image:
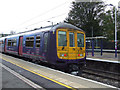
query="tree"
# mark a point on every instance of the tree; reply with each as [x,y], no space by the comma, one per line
[108,24]
[87,16]
[118,20]
[12,32]
[118,30]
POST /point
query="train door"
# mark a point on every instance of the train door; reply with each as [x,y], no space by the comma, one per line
[20,48]
[45,43]
[72,48]
[76,44]
[5,45]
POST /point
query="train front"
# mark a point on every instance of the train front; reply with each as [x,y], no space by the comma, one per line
[71,48]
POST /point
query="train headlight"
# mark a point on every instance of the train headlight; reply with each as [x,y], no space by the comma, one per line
[80,55]
[63,55]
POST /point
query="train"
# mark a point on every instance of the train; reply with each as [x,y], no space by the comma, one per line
[61,45]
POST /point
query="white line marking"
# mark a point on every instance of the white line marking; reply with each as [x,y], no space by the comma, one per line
[103,60]
[32,84]
[81,78]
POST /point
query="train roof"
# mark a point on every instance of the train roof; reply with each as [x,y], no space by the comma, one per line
[43,29]
[66,25]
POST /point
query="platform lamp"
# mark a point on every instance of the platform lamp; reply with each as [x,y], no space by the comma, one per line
[50,22]
[115,28]
[52,26]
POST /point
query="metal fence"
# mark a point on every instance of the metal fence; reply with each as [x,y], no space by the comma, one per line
[100,46]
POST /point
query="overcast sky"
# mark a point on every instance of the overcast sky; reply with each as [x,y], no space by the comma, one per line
[22,15]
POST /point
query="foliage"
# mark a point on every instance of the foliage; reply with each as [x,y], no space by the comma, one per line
[91,16]
[109,24]
[12,32]
[87,16]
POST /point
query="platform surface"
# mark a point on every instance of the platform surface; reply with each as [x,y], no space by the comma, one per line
[59,79]
[11,81]
[105,56]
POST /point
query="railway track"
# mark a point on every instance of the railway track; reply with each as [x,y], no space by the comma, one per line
[106,77]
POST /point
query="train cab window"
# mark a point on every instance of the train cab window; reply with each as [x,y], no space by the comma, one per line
[80,40]
[71,37]
[62,39]
[37,41]
[29,41]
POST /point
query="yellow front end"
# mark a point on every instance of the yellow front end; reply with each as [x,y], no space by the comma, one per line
[70,44]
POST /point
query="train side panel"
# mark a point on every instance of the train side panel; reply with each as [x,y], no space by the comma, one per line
[33,47]
[28,46]
[51,48]
[12,45]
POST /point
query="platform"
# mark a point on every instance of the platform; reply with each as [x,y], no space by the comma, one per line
[105,56]
[11,81]
[49,78]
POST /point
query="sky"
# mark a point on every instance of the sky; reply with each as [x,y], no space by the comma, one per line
[23,15]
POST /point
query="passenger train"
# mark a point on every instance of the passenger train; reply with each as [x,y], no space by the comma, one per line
[62,45]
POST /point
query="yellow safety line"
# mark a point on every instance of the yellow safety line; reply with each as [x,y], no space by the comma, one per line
[39,74]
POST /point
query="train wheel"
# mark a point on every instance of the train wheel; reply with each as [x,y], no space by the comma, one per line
[53,66]
[69,69]
[73,69]
[79,72]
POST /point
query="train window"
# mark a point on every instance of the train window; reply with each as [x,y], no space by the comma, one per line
[31,38]
[37,37]
[80,40]
[45,41]
[72,41]
[27,38]
[0,42]
[37,41]
[29,41]
[9,42]
[62,40]
[14,42]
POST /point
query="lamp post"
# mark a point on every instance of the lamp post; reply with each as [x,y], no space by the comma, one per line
[51,22]
[52,26]
[115,33]
[115,29]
